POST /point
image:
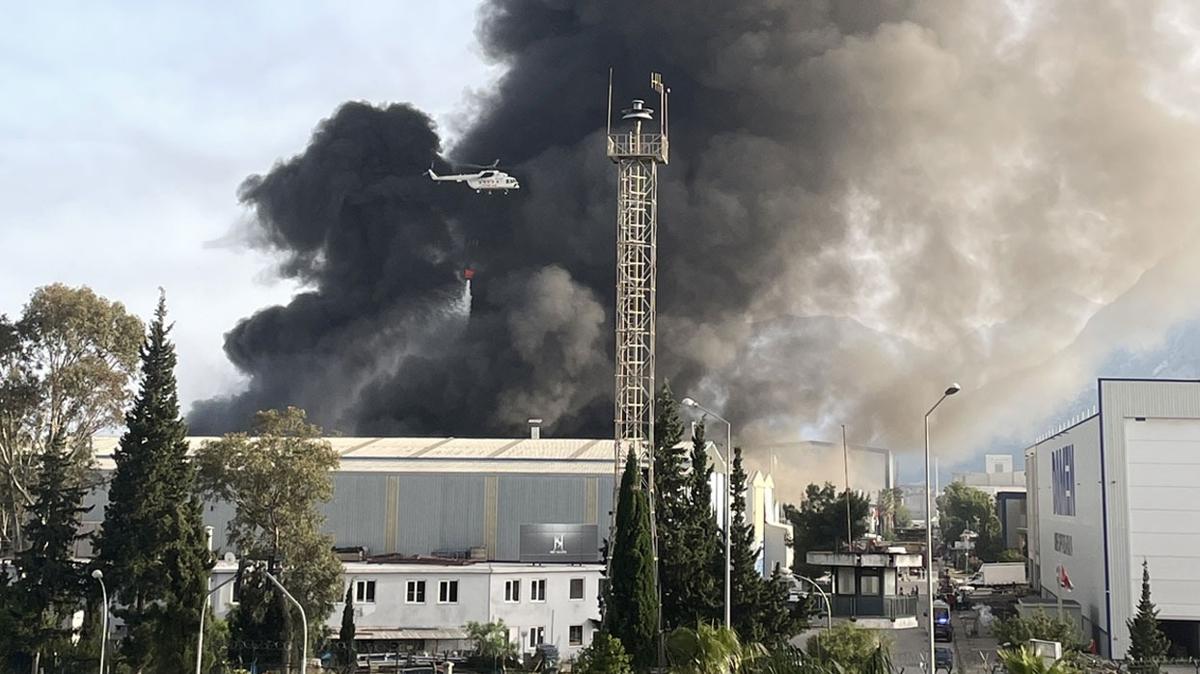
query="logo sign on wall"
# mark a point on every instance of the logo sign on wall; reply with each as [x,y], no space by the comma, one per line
[1062,474]
[559,543]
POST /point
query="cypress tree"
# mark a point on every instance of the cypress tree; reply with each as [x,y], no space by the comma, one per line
[49,580]
[1147,643]
[631,612]
[706,578]
[745,580]
[676,561]
[346,655]
[153,543]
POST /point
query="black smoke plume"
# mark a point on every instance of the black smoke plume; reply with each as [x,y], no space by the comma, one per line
[867,199]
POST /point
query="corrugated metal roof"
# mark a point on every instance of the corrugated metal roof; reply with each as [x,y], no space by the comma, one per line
[581,456]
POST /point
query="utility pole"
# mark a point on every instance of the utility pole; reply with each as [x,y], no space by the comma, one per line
[846,468]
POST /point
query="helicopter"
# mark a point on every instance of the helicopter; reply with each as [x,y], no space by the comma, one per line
[487,179]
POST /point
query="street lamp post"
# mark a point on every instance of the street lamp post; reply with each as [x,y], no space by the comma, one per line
[689,402]
[828,607]
[951,390]
[303,620]
[99,576]
[204,610]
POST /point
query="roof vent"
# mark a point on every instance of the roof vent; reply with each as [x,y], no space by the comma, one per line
[535,429]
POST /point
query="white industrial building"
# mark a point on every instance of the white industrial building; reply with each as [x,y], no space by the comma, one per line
[1116,488]
[997,476]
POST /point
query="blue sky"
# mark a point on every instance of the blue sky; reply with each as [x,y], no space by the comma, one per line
[127,128]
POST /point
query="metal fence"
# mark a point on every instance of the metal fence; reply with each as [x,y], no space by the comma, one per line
[900,606]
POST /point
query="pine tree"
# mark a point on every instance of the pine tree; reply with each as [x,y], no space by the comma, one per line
[631,613]
[760,606]
[50,581]
[778,619]
[153,543]
[1147,643]
[346,655]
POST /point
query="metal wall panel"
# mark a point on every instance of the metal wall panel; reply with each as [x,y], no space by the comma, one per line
[436,511]
[440,512]
[356,514]
[528,499]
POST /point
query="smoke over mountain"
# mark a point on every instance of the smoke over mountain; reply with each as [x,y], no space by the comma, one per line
[866,200]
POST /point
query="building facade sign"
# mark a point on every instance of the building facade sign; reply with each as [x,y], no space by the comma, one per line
[558,543]
[1064,544]
[1062,471]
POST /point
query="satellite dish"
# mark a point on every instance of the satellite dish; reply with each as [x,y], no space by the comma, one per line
[229,557]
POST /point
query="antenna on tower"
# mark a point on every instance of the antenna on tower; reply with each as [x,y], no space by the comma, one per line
[608,117]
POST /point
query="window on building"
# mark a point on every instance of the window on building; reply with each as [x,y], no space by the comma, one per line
[448,592]
[870,583]
[512,591]
[576,588]
[537,590]
[536,636]
[575,635]
[415,592]
[364,591]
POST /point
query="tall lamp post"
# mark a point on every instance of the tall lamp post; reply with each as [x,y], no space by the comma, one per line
[204,610]
[99,576]
[951,390]
[689,402]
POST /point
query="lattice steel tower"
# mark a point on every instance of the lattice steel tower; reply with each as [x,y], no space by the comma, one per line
[637,155]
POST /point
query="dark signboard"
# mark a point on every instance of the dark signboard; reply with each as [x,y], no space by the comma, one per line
[559,543]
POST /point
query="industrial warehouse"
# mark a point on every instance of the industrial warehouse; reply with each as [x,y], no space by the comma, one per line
[435,532]
[1113,490]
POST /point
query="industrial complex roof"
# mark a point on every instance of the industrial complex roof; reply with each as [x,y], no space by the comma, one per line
[587,456]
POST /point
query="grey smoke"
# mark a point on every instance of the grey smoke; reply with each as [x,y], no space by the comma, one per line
[866,201]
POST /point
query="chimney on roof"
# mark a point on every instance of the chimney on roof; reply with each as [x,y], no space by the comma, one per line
[535,429]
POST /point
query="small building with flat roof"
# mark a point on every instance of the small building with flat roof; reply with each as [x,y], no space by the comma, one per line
[865,586]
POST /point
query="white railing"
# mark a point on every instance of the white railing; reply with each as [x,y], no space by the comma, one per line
[641,145]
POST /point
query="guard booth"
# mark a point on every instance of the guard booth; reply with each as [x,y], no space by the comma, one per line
[865,586]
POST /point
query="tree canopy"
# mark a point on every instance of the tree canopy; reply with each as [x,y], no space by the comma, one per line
[50,582]
[275,479]
[962,507]
[605,655]
[65,366]
[819,523]
[1019,630]
[853,648]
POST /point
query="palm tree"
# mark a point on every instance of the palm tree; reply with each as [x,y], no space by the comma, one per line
[706,650]
[1024,661]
